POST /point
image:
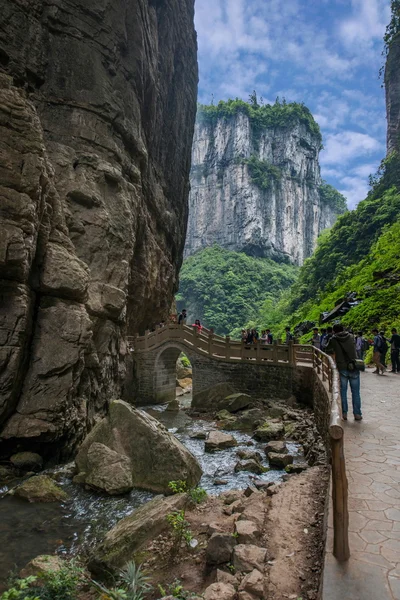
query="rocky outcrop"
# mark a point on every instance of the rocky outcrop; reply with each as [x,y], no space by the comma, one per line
[392,86]
[279,216]
[97,108]
[129,448]
[40,488]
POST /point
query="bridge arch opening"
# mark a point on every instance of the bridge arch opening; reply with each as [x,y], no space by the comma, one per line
[166,373]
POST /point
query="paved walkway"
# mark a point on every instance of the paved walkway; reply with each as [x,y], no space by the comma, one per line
[372,450]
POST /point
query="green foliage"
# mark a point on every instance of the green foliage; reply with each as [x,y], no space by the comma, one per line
[262,173]
[197,495]
[53,585]
[176,590]
[180,528]
[394,26]
[184,360]
[226,289]
[132,584]
[332,198]
[178,487]
[262,116]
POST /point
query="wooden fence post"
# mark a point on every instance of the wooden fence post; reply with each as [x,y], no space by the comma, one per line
[275,351]
[258,350]
[227,346]
[291,352]
[210,343]
[341,549]
[146,339]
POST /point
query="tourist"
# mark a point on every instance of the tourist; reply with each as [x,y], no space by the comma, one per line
[343,346]
[249,339]
[182,317]
[384,348]
[198,325]
[270,337]
[288,335]
[360,345]
[255,336]
[316,339]
[328,335]
[394,342]
[378,343]
[264,337]
[243,336]
[322,338]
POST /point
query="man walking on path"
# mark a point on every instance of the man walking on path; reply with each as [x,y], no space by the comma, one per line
[378,344]
[316,339]
[394,342]
[343,346]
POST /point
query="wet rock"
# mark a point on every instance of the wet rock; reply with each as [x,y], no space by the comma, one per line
[235,402]
[206,400]
[253,584]
[132,532]
[219,548]
[220,591]
[217,440]
[275,410]
[225,415]
[270,430]
[279,461]
[199,435]
[276,446]
[107,470]
[249,455]
[248,557]
[220,481]
[247,532]
[253,466]
[27,461]
[41,565]
[296,468]
[246,421]
[40,488]
[155,455]
[6,473]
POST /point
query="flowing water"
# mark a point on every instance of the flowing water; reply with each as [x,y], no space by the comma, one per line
[27,530]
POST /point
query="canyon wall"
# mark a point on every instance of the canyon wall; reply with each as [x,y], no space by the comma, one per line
[97,109]
[392,87]
[257,191]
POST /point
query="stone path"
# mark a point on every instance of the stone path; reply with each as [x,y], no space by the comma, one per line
[372,450]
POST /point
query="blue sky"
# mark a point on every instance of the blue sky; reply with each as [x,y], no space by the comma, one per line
[325,53]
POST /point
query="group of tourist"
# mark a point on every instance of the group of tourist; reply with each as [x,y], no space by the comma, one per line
[182,319]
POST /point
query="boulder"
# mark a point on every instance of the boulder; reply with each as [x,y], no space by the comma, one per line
[253,584]
[217,440]
[206,400]
[269,430]
[27,461]
[247,557]
[224,577]
[198,435]
[296,467]
[6,473]
[249,455]
[235,402]
[275,410]
[254,509]
[220,591]
[108,470]
[41,564]
[247,532]
[219,548]
[185,383]
[40,488]
[246,421]
[253,466]
[155,455]
[279,461]
[132,532]
[225,415]
[276,446]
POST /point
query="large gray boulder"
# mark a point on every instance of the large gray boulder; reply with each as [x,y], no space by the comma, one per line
[217,440]
[235,402]
[206,400]
[154,456]
[40,488]
[132,532]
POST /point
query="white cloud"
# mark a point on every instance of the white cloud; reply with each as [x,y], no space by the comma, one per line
[354,189]
[340,148]
[367,23]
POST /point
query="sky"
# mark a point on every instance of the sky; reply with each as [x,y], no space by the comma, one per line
[325,53]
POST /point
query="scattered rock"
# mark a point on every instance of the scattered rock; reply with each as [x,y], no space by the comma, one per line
[275,410]
[108,470]
[296,468]
[246,421]
[206,400]
[224,415]
[219,548]
[272,490]
[40,488]
[27,461]
[199,435]
[247,532]
[262,486]
[270,430]
[253,584]
[156,455]
[132,532]
[224,577]
[253,466]
[41,564]
[251,489]
[217,440]
[235,507]
[247,557]
[276,446]
[235,402]
[279,461]
[220,481]
[6,473]
[254,509]
[185,383]
[249,455]
[220,591]
[231,496]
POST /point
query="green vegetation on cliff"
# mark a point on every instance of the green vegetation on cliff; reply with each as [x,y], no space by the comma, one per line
[332,198]
[262,173]
[262,116]
[226,289]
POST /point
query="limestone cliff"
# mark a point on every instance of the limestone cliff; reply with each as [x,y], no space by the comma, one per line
[392,86]
[255,181]
[97,109]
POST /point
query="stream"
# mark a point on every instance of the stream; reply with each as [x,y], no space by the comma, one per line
[27,530]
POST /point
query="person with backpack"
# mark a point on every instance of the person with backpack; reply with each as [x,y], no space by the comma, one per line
[384,348]
[327,337]
[395,351]
[270,337]
[362,345]
[343,347]
[288,335]
[377,356]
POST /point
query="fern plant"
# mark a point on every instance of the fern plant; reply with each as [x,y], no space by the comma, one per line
[133,584]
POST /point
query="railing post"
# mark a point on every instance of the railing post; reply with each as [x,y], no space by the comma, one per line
[291,352]
[275,351]
[258,351]
[341,548]
[227,346]
[146,339]
[210,343]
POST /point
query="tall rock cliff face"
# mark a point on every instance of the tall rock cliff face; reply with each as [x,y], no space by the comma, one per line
[392,86]
[256,190]
[97,101]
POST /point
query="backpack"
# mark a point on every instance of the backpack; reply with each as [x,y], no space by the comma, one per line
[365,345]
[383,348]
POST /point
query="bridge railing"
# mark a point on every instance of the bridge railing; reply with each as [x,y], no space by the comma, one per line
[225,349]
